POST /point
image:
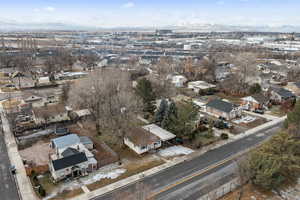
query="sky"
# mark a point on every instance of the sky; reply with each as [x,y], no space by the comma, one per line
[151,13]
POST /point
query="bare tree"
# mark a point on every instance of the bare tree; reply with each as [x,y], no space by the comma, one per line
[62,60]
[89,59]
[245,63]
[109,96]
[162,86]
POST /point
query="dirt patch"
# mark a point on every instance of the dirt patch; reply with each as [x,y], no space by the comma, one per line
[7,104]
[38,153]
[255,123]
[102,152]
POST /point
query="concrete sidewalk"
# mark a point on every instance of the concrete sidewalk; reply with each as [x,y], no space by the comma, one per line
[25,189]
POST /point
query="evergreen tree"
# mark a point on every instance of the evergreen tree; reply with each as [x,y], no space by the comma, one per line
[161,111]
[275,161]
[169,115]
[293,118]
[182,123]
[210,132]
[145,91]
[254,89]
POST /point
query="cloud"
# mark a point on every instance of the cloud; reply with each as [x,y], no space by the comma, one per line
[49,9]
[128,5]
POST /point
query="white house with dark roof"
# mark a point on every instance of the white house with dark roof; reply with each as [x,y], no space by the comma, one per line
[281,95]
[147,138]
[74,165]
[220,108]
[71,157]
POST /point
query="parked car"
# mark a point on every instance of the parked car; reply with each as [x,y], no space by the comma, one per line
[259,111]
[13,170]
[204,120]
[219,124]
[222,118]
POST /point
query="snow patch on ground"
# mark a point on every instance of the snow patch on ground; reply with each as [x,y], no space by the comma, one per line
[175,151]
[109,175]
[75,184]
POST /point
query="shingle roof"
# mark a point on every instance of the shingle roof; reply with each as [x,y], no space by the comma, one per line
[69,161]
[221,105]
[297,84]
[141,137]
[260,98]
[284,93]
[69,152]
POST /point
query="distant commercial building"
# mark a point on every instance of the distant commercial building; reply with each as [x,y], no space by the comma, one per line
[163,31]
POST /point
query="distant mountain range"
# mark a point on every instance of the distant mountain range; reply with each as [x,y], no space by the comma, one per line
[14,26]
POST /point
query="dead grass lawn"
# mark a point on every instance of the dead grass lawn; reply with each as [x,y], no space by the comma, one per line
[131,170]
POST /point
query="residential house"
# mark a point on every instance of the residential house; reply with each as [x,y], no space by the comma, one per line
[256,101]
[294,87]
[50,114]
[87,142]
[40,100]
[70,157]
[35,101]
[178,80]
[280,95]
[79,114]
[220,108]
[147,138]
[197,86]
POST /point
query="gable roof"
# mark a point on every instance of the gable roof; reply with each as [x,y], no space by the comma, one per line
[141,137]
[66,141]
[221,105]
[284,93]
[33,98]
[69,152]
[259,97]
[297,84]
[69,161]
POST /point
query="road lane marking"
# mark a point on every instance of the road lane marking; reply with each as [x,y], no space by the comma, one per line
[204,170]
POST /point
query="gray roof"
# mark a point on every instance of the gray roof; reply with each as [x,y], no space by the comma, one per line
[221,105]
[85,140]
[69,161]
[260,98]
[297,84]
[284,93]
[65,141]
[69,152]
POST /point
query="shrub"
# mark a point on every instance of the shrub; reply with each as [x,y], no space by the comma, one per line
[224,136]
[42,191]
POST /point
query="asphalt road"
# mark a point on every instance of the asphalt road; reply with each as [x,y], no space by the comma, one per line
[167,184]
[8,189]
